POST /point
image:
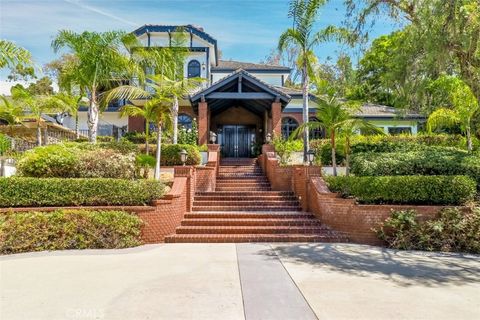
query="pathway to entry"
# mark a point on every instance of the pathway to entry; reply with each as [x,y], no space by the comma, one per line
[240,281]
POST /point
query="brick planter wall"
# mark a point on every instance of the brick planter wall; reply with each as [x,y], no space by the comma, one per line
[163,216]
[354,219]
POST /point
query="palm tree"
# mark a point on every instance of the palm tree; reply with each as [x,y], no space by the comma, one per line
[465,109]
[158,104]
[302,36]
[12,55]
[148,112]
[101,65]
[11,113]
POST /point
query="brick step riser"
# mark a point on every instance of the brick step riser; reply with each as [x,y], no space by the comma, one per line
[259,230]
[243,185]
[226,238]
[245,198]
[237,189]
[220,203]
[248,215]
[243,208]
[253,222]
[242,180]
[246,194]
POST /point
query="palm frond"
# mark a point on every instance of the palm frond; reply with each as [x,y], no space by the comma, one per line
[12,55]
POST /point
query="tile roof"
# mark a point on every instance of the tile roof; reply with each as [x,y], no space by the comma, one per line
[380,111]
[232,65]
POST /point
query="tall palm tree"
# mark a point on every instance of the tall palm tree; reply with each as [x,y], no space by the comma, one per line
[12,55]
[101,65]
[158,104]
[148,112]
[302,36]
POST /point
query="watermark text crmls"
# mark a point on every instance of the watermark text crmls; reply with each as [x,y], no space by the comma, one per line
[84,313]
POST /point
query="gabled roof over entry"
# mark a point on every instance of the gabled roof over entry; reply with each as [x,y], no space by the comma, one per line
[240,88]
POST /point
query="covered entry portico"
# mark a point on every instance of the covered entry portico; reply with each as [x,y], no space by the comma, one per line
[241,110]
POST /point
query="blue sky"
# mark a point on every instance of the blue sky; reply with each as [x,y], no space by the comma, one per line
[245,29]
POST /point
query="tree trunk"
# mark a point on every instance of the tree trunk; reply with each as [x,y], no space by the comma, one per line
[156,174]
[305,86]
[334,157]
[39,133]
[93,113]
[347,156]
[147,136]
[469,139]
[77,128]
[175,119]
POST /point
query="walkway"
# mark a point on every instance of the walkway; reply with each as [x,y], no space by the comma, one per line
[240,281]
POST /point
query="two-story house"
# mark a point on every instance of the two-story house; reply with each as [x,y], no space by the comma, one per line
[240,102]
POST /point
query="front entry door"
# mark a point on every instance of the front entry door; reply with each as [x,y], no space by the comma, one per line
[236,141]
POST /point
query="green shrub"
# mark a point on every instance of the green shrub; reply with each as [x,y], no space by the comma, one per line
[171,154]
[124,147]
[430,161]
[285,148]
[68,229]
[138,137]
[323,151]
[188,136]
[432,190]
[5,144]
[32,192]
[105,139]
[203,148]
[82,160]
[49,161]
[144,162]
[452,231]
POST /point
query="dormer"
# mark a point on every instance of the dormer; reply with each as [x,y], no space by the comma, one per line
[203,48]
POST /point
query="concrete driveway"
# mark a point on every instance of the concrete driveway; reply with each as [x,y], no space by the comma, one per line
[240,281]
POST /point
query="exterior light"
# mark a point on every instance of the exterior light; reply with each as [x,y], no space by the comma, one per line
[213,137]
[183,156]
[204,66]
[310,156]
[268,138]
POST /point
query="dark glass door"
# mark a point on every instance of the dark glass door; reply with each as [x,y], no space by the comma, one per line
[236,141]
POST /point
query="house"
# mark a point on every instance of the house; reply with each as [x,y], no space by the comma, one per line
[240,102]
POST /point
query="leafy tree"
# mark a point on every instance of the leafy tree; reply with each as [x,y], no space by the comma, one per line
[336,79]
[447,32]
[286,57]
[464,108]
[101,65]
[22,72]
[12,55]
[157,104]
[302,36]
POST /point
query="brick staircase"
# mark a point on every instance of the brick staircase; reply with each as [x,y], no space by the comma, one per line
[244,208]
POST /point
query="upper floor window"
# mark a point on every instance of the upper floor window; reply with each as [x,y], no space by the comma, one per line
[194,69]
[288,126]
[185,121]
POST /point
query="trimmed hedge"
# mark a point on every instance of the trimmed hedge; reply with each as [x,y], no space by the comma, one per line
[38,192]
[430,161]
[68,229]
[170,155]
[428,190]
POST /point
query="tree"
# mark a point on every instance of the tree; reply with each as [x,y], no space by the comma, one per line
[158,104]
[447,32]
[11,113]
[34,106]
[464,108]
[286,57]
[100,66]
[302,36]
[336,79]
[12,55]
[148,112]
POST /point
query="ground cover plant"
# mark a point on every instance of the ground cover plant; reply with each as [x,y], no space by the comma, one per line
[67,229]
[40,192]
[452,230]
[421,190]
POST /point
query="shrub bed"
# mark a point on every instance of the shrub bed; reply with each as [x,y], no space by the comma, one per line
[77,160]
[452,231]
[67,229]
[427,190]
[37,192]
[430,161]
[171,154]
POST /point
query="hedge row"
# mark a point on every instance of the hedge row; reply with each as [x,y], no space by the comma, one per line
[37,192]
[430,161]
[170,154]
[428,190]
[67,229]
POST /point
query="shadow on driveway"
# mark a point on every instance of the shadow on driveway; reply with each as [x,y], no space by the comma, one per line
[405,268]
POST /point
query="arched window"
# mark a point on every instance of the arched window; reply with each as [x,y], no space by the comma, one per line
[184,120]
[194,69]
[288,126]
[316,133]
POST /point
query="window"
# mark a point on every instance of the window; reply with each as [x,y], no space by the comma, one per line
[288,126]
[399,130]
[316,133]
[185,121]
[194,69]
